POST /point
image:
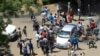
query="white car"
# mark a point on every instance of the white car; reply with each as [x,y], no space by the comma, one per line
[10,30]
[64,35]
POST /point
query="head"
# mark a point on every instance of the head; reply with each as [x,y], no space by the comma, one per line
[44,30]
[69,40]
[50,13]
[50,28]
[79,22]
[25,27]
[18,28]
[45,7]
[30,41]
[55,14]
[87,25]
[60,20]
[37,32]
[92,20]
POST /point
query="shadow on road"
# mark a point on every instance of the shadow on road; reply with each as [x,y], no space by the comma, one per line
[14,39]
[4,52]
[56,51]
[93,47]
[80,49]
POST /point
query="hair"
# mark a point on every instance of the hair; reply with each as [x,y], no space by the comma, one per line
[25,26]
[87,25]
[18,28]
[50,13]
[29,40]
[79,22]
[37,32]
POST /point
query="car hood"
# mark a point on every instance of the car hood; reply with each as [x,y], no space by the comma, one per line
[60,40]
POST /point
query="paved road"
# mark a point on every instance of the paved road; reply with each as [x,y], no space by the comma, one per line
[20,22]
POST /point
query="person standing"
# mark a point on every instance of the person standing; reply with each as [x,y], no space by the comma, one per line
[88,31]
[51,18]
[69,46]
[75,42]
[46,10]
[55,18]
[69,18]
[61,23]
[41,45]
[20,46]
[51,43]
[38,36]
[36,26]
[92,25]
[96,33]
[44,33]
[72,52]
[25,51]
[30,47]
[58,7]
[25,31]
[46,48]
[43,15]
[19,33]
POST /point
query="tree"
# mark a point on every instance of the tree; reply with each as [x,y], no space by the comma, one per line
[10,8]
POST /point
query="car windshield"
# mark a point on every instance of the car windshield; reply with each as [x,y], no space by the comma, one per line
[64,34]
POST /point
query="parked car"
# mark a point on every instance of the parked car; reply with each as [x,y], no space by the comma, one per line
[64,35]
[10,31]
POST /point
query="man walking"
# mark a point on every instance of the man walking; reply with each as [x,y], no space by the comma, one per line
[25,31]
[30,47]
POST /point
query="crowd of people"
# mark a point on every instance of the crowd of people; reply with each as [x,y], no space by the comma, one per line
[45,34]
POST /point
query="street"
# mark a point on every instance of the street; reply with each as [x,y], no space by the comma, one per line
[21,22]
[26,21]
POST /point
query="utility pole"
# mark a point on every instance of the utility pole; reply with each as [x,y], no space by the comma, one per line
[79,8]
[69,6]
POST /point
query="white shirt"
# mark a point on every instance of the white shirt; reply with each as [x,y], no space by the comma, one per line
[38,36]
[68,44]
[41,29]
[55,17]
[43,14]
[72,53]
[79,25]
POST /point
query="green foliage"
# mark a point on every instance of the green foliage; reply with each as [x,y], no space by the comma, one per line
[12,7]
[9,8]
[3,39]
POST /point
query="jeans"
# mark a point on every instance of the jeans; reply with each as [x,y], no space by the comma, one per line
[75,44]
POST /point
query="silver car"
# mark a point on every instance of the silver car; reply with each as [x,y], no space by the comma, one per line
[64,35]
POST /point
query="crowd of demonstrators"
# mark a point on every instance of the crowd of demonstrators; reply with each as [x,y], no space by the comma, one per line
[45,33]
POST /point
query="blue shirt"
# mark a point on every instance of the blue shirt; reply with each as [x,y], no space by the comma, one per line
[50,17]
[75,40]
